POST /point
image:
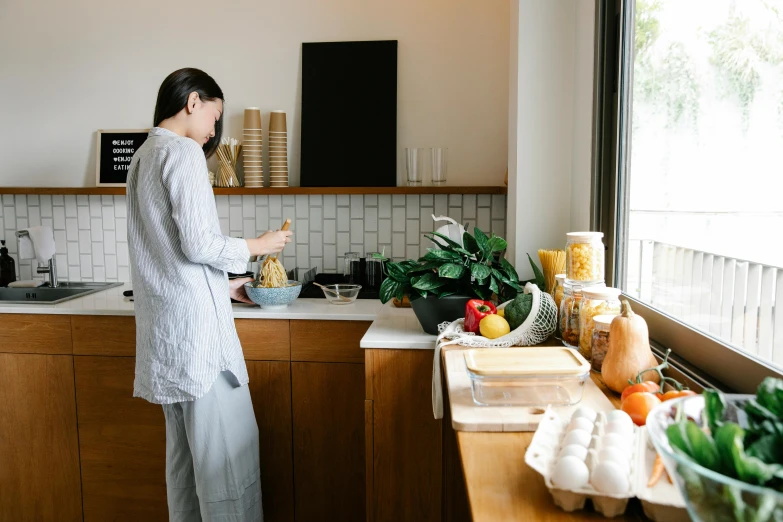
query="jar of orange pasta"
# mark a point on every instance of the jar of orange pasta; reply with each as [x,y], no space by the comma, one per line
[595,301]
[585,257]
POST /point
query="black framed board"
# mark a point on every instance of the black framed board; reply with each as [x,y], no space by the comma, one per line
[114,152]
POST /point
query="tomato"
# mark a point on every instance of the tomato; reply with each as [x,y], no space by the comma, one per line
[638,405]
[646,386]
[674,394]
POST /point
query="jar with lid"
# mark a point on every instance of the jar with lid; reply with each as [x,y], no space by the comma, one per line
[557,295]
[569,312]
[595,301]
[585,257]
[600,340]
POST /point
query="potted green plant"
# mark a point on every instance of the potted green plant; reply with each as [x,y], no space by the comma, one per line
[440,283]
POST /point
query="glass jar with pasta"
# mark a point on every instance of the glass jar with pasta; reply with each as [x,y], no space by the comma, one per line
[595,301]
[600,343]
[557,295]
[585,257]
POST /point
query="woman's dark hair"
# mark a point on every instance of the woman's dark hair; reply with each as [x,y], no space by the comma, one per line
[173,97]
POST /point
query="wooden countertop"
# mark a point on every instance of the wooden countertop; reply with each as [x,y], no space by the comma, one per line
[501,487]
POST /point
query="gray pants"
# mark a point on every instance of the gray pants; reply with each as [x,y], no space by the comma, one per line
[212,466]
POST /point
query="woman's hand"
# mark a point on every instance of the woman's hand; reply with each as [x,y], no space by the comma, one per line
[270,242]
[236,289]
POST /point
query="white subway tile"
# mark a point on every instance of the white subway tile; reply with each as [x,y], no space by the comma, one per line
[498,207]
[235,219]
[22,223]
[483,219]
[248,207]
[59,218]
[469,206]
[398,245]
[107,200]
[33,200]
[95,206]
[398,219]
[425,219]
[262,201]
[221,203]
[316,219]
[25,271]
[484,200]
[72,229]
[109,242]
[384,231]
[499,227]
[58,199]
[412,251]
[384,206]
[262,219]
[289,201]
[330,257]
[9,216]
[357,206]
[235,201]
[85,243]
[330,206]
[120,207]
[34,216]
[85,265]
[275,206]
[455,200]
[330,231]
[123,274]
[8,199]
[70,206]
[316,200]
[301,228]
[224,226]
[74,274]
[47,222]
[455,213]
[73,253]
[96,227]
[371,242]
[316,244]
[83,217]
[82,200]
[343,243]
[412,232]
[60,241]
[62,265]
[343,219]
[99,273]
[371,200]
[398,200]
[46,205]
[122,254]
[249,228]
[12,244]
[441,205]
[358,248]
[371,219]
[357,231]
[343,200]
[111,267]
[302,256]
[21,205]
[424,247]
[122,230]
[427,200]
[412,205]
[302,206]
[97,253]
[288,213]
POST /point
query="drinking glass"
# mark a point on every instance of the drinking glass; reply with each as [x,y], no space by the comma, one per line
[439,157]
[414,163]
[352,268]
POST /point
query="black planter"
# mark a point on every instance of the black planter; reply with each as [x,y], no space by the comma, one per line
[431,311]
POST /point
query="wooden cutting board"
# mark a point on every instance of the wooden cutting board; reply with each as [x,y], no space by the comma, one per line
[466,415]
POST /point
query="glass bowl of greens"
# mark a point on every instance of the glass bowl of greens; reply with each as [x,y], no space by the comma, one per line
[725,452]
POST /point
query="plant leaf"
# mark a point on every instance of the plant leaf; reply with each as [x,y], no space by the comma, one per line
[429,265]
[509,268]
[442,255]
[397,272]
[540,282]
[451,246]
[497,244]
[493,285]
[483,243]
[445,238]
[470,243]
[451,270]
[389,289]
[479,271]
[428,282]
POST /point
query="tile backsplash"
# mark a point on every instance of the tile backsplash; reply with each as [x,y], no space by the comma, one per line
[90,231]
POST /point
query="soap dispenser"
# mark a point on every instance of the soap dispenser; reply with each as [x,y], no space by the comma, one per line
[7,266]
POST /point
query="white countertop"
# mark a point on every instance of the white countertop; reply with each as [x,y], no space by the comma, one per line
[397,328]
[112,302]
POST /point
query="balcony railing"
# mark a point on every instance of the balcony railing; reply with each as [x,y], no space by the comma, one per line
[738,301]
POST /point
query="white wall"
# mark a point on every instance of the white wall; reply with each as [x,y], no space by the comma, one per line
[70,68]
[550,115]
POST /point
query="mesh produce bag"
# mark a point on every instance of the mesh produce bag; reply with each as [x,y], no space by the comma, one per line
[539,325]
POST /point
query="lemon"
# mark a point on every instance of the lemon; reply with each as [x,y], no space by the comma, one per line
[502,312]
[494,326]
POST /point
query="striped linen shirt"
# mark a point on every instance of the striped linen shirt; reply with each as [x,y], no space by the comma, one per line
[185,334]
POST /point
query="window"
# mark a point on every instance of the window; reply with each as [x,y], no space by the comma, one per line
[694,200]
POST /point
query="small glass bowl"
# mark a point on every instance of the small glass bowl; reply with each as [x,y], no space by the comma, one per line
[341,294]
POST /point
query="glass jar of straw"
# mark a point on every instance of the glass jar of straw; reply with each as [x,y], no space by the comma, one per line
[228,153]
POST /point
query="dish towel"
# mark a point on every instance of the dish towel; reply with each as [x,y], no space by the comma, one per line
[26,284]
[38,244]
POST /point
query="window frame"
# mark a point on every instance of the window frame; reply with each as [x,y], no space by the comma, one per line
[615,22]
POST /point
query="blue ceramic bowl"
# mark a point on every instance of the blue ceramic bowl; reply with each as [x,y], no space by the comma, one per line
[274,298]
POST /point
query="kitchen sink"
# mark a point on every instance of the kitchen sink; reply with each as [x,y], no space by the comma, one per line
[65,291]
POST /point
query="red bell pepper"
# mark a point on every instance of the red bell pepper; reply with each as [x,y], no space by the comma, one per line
[475,311]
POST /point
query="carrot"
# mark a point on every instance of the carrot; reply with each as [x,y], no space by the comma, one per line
[657,471]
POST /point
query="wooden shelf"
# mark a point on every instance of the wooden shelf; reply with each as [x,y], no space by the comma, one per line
[119,191]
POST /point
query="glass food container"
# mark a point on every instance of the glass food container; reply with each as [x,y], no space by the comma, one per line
[595,301]
[557,295]
[585,257]
[526,376]
[600,341]
[352,268]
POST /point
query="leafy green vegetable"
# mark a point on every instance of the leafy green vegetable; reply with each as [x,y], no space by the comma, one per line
[517,311]
[735,462]
[714,406]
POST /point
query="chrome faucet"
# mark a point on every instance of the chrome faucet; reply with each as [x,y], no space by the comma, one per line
[51,269]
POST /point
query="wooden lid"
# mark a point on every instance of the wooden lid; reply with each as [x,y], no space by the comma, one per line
[527,362]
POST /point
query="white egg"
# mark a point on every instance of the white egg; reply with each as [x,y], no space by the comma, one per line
[618,416]
[580,423]
[617,456]
[608,477]
[614,440]
[620,428]
[573,450]
[570,473]
[580,437]
[585,412]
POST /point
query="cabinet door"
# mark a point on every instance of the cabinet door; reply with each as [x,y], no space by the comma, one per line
[270,389]
[122,443]
[329,409]
[39,454]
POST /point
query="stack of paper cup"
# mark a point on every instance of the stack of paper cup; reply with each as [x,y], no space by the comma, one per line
[278,149]
[251,148]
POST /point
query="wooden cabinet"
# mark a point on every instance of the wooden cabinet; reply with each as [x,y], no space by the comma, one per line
[34,333]
[39,459]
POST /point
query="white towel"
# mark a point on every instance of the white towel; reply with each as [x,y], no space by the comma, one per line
[39,244]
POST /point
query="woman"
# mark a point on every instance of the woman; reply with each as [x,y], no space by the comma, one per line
[188,356]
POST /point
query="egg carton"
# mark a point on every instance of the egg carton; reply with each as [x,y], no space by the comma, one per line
[662,502]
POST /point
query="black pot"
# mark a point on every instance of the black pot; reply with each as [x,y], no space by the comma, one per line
[431,311]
